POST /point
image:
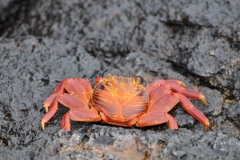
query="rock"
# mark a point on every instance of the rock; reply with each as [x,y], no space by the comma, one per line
[44,42]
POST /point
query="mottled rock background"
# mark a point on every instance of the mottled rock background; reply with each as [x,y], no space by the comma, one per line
[43,42]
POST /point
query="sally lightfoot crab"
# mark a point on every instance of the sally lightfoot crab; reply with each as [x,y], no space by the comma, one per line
[122,101]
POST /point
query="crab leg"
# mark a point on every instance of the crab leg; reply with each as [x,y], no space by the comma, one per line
[47,103]
[50,113]
[167,100]
[189,107]
[81,115]
[57,91]
[77,87]
[52,103]
[158,108]
[164,103]
[79,111]
[155,118]
[180,87]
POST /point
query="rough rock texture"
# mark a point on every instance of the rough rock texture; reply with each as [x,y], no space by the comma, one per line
[44,42]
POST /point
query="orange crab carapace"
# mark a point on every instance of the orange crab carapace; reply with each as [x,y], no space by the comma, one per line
[122,101]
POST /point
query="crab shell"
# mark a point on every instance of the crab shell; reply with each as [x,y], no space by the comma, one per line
[122,101]
[119,99]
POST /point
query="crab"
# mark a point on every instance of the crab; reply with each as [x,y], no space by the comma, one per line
[122,101]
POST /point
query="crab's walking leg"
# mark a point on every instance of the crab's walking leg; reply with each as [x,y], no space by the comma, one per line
[77,87]
[57,91]
[168,99]
[155,118]
[189,107]
[180,87]
[50,113]
[158,108]
[183,93]
[79,111]
[81,115]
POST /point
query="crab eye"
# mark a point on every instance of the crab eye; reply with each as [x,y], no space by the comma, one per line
[137,80]
[120,79]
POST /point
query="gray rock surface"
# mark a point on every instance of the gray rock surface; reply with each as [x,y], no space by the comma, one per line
[44,42]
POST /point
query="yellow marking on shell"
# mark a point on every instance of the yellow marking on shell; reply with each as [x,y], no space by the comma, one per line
[122,86]
[121,89]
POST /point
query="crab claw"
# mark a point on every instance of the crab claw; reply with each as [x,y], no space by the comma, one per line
[204,100]
[48,102]
[50,113]
[43,125]
[206,126]
[46,108]
[181,83]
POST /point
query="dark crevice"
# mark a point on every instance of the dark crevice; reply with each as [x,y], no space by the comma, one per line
[184,23]
[98,53]
[203,81]
[11,14]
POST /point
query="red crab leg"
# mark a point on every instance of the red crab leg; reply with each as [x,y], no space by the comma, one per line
[165,104]
[158,108]
[166,100]
[157,93]
[189,107]
[57,91]
[79,111]
[179,87]
[50,113]
[52,103]
[87,85]
[172,122]
[155,118]
[47,103]
[77,87]
[162,100]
